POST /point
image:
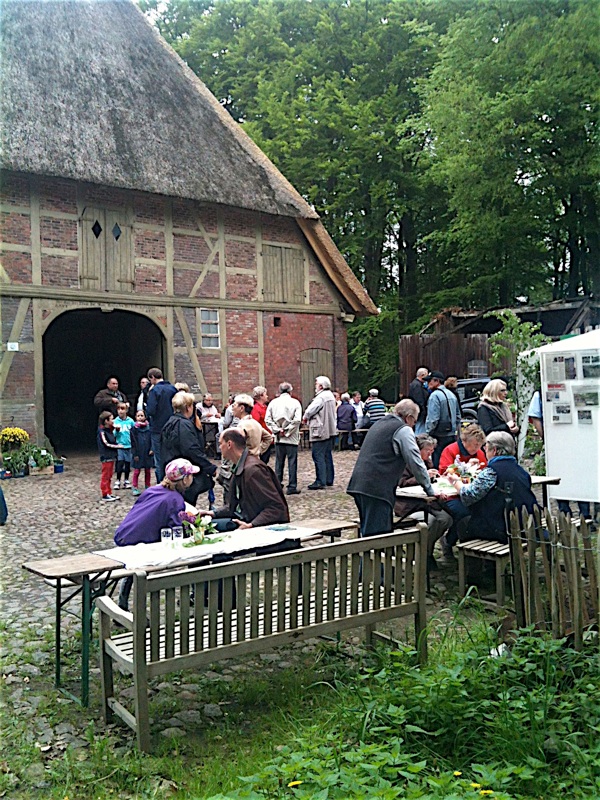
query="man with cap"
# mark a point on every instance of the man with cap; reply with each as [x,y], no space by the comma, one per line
[443,415]
[158,507]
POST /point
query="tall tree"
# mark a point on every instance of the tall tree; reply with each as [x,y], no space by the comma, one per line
[513,110]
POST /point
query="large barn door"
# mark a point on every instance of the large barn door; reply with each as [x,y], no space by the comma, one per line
[314,362]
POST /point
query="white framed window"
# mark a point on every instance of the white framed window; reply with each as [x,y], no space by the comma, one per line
[209,328]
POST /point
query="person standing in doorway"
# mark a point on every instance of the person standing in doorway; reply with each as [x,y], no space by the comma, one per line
[107,399]
[158,411]
[320,415]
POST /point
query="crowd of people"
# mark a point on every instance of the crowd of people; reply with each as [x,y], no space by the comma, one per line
[169,431]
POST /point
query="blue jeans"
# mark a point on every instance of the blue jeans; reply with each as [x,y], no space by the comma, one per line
[3,508]
[322,456]
[584,508]
[158,468]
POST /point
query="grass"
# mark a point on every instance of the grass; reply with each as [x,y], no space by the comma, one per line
[338,723]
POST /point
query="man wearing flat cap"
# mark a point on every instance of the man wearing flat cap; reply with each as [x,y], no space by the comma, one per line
[443,415]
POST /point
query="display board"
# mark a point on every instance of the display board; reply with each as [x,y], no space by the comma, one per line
[570,392]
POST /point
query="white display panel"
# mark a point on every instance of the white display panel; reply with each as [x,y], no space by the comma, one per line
[570,394]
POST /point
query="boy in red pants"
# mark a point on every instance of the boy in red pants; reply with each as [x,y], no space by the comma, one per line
[107,448]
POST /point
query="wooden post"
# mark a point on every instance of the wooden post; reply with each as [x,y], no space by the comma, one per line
[420,592]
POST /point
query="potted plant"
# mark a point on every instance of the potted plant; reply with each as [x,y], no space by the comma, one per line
[16,462]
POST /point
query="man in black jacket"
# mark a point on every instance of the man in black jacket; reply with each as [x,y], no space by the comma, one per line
[419,394]
[180,438]
[158,411]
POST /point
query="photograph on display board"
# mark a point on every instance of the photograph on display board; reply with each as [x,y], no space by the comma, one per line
[590,364]
[561,413]
[570,368]
[585,398]
[584,416]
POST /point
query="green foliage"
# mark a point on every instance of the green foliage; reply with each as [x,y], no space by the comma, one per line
[511,347]
[450,147]
[523,725]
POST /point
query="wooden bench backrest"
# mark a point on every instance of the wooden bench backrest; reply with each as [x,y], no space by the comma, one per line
[280,595]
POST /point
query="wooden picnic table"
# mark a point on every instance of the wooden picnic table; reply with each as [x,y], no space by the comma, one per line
[92,575]
[418,493]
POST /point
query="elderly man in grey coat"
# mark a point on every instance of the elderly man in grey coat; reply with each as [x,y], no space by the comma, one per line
[321,417]
[388,448]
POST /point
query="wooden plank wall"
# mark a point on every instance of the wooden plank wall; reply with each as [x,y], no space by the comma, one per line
[450,353]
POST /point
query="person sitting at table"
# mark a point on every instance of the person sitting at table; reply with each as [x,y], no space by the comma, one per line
[256,497]
[502,485]
[180,438]
[158,507]
[440,519]
[467,448]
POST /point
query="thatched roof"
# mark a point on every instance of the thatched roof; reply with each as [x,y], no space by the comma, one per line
[91,92]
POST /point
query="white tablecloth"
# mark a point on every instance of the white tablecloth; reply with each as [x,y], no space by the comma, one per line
[158,554]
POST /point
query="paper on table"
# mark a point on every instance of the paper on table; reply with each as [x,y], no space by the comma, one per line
[158,554]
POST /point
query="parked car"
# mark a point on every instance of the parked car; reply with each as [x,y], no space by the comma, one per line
[469,392]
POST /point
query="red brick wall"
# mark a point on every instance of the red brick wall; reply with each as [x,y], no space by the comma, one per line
[17,266]
[282,345]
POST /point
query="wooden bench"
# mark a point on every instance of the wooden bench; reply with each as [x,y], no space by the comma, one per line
[485,550]
[254,604]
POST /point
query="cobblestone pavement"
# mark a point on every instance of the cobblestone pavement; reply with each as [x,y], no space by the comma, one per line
[60,514]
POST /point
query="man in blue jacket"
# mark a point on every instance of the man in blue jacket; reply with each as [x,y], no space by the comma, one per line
[158,411]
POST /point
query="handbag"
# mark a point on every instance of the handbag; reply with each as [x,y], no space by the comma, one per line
[444,428]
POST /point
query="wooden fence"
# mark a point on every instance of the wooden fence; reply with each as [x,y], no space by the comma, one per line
[555,567]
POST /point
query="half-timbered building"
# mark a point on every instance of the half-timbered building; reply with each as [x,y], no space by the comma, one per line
[140,226]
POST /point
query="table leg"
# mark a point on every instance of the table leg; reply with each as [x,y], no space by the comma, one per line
[86,628]
[57,634]
[545,495]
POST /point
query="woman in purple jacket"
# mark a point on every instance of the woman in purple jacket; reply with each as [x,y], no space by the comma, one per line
[158,507]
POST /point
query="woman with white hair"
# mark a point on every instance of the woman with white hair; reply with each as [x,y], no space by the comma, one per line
[493,412]
[500,487]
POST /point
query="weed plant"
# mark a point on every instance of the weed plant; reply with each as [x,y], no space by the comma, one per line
[524,725]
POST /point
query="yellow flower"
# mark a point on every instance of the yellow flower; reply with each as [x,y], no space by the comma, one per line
[457,773]
[485,792]
[294,783]
[475,786]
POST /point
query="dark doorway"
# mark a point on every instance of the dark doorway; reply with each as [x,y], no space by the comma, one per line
[81,350]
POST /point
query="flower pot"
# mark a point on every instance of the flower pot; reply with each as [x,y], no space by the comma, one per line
[59,468]
[19,473]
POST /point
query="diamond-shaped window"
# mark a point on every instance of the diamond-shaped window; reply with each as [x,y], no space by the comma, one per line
[116,231]
[96,229]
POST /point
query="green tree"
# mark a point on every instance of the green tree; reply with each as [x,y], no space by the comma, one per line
[513,110]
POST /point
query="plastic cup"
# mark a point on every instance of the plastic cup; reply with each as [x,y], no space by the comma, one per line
[166,536]
[178,536]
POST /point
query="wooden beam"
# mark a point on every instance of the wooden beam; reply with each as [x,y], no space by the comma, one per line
[15,333]
[120,300]
[187,337]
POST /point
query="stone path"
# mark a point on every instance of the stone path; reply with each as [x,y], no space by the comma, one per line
[61,514]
